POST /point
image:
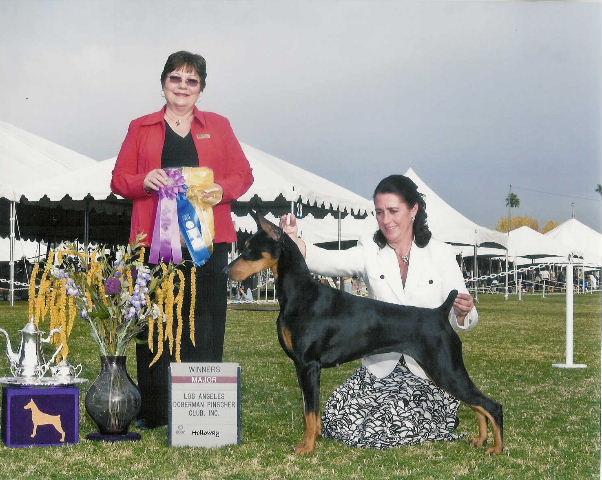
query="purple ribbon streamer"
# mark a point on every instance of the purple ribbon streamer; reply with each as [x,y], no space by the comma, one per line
[166,234]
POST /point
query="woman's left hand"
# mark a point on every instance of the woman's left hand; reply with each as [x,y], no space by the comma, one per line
[463,304]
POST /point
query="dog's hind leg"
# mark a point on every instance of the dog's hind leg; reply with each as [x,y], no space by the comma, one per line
[309,381]
[497,422]
[482,421]
[448,371]
[462,387]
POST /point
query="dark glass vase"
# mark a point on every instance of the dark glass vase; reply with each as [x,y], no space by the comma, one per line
[113,401]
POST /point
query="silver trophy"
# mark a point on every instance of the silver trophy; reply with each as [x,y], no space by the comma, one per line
[65,371]
[29,361]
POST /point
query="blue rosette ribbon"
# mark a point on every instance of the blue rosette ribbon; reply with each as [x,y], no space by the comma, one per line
[180,210]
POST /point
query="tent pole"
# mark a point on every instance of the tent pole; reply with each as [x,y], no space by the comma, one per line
[339,243]
[506,287]
[86,225]
[13,214]
[569,321]
[339,230]
[475,275]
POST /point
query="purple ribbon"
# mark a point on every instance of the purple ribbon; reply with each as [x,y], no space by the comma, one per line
[166,234]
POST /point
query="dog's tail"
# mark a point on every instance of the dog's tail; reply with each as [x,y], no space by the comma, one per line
[445,306]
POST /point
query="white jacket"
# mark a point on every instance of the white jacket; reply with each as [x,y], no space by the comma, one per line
[433,272]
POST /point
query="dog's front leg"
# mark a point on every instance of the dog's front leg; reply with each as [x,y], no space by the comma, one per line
[309,381]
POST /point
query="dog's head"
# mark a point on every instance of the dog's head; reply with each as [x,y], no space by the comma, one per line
[261,251]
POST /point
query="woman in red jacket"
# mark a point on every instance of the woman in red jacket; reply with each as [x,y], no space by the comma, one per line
[179,135]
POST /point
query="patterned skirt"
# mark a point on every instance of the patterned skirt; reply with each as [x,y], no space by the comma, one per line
[399,409]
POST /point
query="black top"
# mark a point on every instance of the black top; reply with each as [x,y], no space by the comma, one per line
[178,151]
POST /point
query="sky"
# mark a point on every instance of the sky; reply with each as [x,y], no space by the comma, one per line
[474,96]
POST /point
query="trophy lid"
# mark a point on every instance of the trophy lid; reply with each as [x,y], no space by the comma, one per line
[31,328]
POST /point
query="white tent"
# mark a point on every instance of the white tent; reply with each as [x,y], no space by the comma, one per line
[23,248]
[313,230]
[582,240]
[449,225]
[27,158]
[93,181]
[274,178]
[524,245]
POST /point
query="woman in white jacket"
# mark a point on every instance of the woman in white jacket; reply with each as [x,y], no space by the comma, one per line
[389,401]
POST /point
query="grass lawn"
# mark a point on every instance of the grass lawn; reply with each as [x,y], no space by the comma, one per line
[552,416]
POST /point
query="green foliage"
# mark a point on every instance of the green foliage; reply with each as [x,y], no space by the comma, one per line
[552,416]
[512,200]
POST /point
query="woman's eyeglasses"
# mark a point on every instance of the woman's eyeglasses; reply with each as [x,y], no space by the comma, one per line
[176,80]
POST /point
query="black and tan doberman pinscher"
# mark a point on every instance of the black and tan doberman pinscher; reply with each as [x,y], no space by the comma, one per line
[321,327]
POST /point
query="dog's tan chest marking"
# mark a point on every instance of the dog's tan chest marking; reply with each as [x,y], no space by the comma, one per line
[287,338]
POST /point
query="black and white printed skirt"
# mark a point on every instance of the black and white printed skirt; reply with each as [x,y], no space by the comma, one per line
[399,409]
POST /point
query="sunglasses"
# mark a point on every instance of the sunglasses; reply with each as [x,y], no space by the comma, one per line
[176,80]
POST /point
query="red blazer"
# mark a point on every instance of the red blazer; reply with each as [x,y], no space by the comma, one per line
[217,148]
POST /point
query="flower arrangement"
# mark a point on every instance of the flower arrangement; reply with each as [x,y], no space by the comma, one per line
[116,296]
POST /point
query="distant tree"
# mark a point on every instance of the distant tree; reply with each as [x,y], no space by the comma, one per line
[599,189]
[512,201]
[551,225]
[516,222]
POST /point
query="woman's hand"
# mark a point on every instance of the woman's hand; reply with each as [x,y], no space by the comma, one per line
[155,179]
[462,306]
[288,223]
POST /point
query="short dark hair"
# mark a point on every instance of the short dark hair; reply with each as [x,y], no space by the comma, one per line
[181,59]
[408,191]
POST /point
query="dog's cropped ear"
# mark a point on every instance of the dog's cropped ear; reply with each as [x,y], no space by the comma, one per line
[273,231]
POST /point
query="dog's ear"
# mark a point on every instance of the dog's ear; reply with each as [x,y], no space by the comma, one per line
[273,231]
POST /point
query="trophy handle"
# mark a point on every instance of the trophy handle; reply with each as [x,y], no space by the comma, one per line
[45,367]
[50,334]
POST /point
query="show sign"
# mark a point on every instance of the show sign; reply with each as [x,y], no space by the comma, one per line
[205,406]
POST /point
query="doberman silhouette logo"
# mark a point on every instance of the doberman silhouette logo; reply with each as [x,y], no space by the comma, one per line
[40,418]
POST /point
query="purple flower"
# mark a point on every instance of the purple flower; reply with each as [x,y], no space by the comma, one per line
[112,286]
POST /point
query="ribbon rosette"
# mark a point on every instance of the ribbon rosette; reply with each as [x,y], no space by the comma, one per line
[166,235]
[181,204]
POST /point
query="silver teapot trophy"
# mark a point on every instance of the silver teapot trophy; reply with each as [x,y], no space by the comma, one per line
[28,366]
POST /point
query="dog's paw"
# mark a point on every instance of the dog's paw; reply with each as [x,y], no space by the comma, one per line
[495,450]
[304,449]
[478,442]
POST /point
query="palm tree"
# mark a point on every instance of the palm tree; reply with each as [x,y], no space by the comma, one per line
[512,201]
[599,189]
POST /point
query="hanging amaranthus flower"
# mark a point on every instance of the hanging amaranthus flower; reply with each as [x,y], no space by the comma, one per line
[117,298]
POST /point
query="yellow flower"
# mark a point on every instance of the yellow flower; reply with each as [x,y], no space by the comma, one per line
[169,305]
[32,291]
[180,327]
